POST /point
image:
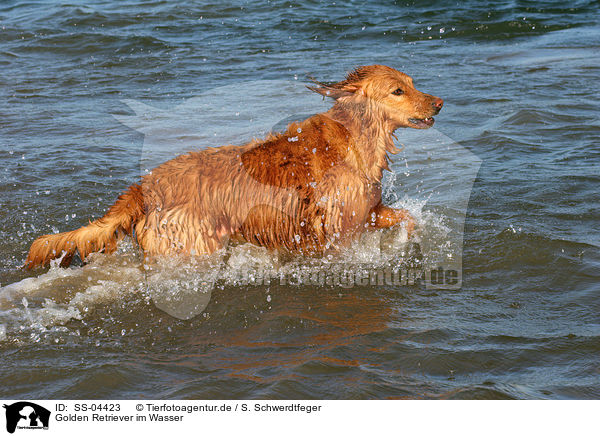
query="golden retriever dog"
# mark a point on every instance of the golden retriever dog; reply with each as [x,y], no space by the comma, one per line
[309,190]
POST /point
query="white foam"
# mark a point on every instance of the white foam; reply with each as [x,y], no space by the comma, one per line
[31,286]
[182,288]
[37,306]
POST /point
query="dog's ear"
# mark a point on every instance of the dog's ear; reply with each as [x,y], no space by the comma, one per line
[330,92]
[334,90]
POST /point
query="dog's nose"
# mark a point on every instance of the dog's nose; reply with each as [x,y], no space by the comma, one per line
[438,103]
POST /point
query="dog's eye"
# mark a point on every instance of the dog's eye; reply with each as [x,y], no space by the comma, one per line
[398,91]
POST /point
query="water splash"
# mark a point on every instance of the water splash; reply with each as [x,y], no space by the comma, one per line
[36,307]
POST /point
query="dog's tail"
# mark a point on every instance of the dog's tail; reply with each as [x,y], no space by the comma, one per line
[99,235]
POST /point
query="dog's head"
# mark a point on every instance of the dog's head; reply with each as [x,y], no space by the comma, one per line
[391,91]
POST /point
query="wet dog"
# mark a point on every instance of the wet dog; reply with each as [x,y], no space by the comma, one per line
[308,190]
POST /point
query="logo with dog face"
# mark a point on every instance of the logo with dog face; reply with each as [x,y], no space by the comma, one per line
[26,415]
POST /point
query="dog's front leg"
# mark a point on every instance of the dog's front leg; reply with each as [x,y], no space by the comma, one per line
[383,217]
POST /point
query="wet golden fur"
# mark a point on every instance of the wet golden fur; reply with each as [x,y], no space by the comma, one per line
[310,189]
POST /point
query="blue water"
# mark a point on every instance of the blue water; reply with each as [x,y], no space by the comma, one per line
[521,87]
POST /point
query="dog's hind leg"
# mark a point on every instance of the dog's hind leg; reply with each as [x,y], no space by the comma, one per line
[180,232]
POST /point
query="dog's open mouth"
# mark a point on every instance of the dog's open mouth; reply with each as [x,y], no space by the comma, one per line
[424,123]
